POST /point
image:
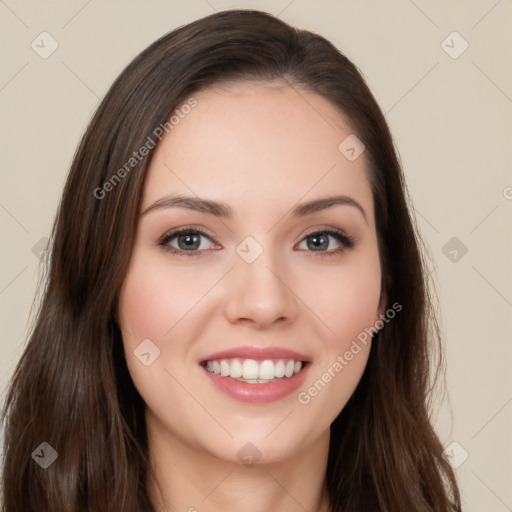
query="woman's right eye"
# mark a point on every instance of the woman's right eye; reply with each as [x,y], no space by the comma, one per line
[185,242]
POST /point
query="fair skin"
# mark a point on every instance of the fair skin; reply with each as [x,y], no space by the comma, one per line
[261,150]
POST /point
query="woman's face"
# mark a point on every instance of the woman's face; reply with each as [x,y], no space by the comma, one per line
[267,274]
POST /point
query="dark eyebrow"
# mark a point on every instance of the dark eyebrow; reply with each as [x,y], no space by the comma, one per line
[223,211]
[192,203]
[323,203]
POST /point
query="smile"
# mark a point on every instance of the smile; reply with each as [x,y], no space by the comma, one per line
[253,371]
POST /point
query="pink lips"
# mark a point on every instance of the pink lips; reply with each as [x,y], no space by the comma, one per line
[257,393]
[258,354]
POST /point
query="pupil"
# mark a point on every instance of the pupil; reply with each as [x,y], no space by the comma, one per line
[190,241]
[319,241]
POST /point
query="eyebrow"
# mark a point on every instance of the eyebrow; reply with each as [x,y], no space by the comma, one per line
[224,211]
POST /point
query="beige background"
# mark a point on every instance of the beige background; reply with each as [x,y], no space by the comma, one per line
[452,122]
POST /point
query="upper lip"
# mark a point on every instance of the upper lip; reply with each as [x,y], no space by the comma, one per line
[257,353]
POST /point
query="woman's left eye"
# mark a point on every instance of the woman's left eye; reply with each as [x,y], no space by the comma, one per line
[188,242]
[319,241]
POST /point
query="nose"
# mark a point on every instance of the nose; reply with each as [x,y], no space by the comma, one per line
[259,293]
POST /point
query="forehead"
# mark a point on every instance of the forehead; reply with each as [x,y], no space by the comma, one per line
[269,142]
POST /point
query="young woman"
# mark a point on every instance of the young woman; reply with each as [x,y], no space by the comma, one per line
[235,315]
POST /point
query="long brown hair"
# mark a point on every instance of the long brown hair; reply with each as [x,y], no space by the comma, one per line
[71,387]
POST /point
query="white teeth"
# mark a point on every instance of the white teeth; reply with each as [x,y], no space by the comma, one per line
[235,370]
[279,370]
[288,369]
[224,368]
[252,371]
[267,370]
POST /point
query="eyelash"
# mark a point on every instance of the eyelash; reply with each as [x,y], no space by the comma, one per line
[346,241]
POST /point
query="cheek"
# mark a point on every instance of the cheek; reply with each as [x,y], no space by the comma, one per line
[346,300]
[155,297]
[161,302]
[346,297]
[356,303]
[152,300]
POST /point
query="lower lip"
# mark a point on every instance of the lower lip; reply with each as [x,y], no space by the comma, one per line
[257,393]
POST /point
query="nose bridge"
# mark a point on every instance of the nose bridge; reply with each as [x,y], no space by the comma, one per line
[257,289]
